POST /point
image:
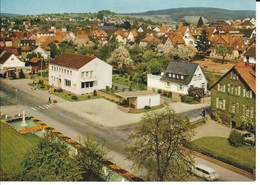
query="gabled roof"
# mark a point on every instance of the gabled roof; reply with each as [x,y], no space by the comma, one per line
[70,60]
[246,72]
[250,52]
[246,23]
[150,38]
[82,37]
[176,39]
[5,57]
[182,68]
[12,50]
[100,32]
[34,60]
[247,32]
[164,29]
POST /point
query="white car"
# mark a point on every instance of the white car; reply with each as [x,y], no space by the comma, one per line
[204,172]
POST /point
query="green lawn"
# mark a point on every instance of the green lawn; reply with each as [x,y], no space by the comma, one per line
[124,81]
[68,96]
[14,146]
[219,148]
[39,87]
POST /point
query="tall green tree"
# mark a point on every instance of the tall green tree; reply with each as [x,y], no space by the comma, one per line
[200,23]
[49,161]
[158,146]
[202,44]
[224,50]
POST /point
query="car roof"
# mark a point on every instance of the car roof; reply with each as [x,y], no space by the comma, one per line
[204,167]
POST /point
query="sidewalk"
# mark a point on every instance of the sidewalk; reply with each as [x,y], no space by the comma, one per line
[22,85]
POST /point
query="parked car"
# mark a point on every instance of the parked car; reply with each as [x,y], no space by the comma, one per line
[248,136]
[204,172]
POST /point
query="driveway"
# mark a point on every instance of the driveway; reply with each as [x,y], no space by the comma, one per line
[211,128]
[102,112]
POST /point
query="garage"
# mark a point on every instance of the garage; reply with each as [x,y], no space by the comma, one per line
[140,99]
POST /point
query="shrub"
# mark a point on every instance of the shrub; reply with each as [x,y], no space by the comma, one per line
[116,87]
[89,96]
[107,88]
[164,93]
[95,93]
[130,88]
[42,86]
[147,107]
[235,138]
[21,74]
[159,91]
[74,97]
[123,90]
[169,94]
[187,99]
[59,90]
[214,116]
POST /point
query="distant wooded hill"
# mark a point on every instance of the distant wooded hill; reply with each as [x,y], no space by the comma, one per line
[179,14]
[9,15]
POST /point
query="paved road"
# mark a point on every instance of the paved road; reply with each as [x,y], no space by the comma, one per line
[75,126]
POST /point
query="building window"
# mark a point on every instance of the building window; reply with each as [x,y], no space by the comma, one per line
[182,77]
[87,84]
[234,107]
[82,74]
[70,72]
[199,76]
[234,76]
[222,88]
[173,75]
[203,85]
[248,113]
[221,104]
[191,42]
[67,82]
[236,90]
[168,84]
[247,59]
[12,59]
[248,93]
[180,87]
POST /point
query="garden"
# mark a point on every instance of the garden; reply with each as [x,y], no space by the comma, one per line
[242,156]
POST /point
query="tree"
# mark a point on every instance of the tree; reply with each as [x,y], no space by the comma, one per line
[184,53]
[49,161]
[200,23]
[202,44]
[158,146]
[127,25]
[121,59]
[91,158]
[224,50]
[54,49]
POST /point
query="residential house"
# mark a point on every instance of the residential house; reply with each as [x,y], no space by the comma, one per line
[45,54]
[234,94]
[149,39]
[79,74]
[250,54]
[81,40]
[70,36]
[156,29]
[236,42]
[248,34]
[10,64]
[164,30]
[228,30]
[100,35]
[189,39]
[140,30]
[27,42]
[174,41]
[178,78]
[36,64]
[246,25]
[132,35]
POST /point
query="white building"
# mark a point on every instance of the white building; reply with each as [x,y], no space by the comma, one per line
[79,74]
[178,78]
[140,99]
[250,55]
[10,63]
[45,54]
[189,39]
[140,30]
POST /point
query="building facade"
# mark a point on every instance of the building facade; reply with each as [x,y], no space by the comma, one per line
[233,95]
[79,74]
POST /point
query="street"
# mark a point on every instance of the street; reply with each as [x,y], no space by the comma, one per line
[74,126]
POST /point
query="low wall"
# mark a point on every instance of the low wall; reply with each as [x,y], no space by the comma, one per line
[109,96]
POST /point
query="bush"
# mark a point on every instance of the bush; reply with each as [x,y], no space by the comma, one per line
[159,91]
[187,99]
[95,93]
[147,107]
[89,96]
[214,116]
[116,87]
[107,88]
[123,90]
[74,97]
[164,93]
[59,90]
[130,88]
[235,138]
[42,86]
[169,94]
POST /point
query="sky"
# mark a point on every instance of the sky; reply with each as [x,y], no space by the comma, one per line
[32,7]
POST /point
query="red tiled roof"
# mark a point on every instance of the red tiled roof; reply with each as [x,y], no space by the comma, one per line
[34,60]
[247,73]
[82,37]
[12,50]
[5,57]
[150,39]
[176,39]
[70,60]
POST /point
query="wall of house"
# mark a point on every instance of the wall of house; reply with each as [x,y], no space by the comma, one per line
[199,79]
[43,52]
[149,100]
[154,82]
[229,97]
[188,39]
[102,77]
[12,62]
